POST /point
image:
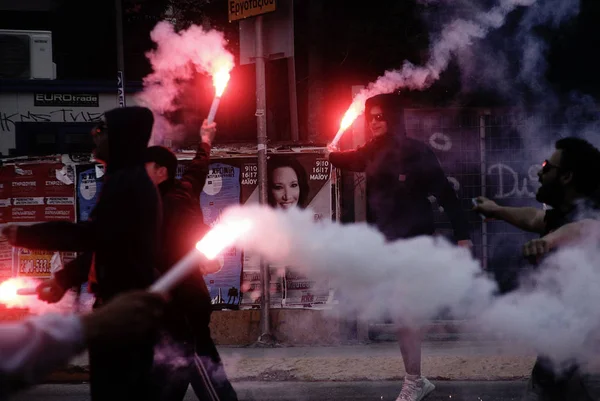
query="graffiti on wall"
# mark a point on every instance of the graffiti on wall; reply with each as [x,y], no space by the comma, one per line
[512,185]
[8,120]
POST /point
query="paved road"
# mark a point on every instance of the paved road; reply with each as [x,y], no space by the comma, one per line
[319,391]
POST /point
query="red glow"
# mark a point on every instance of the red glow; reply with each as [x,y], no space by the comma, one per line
[349,118]
[355,110]
[8,292]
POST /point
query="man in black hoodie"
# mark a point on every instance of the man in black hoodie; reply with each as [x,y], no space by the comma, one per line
[121,239]
[188,318]
[401,174]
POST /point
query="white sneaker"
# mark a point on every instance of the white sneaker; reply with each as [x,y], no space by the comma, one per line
[415,390]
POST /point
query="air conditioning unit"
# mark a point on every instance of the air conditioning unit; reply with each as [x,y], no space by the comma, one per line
[26,55]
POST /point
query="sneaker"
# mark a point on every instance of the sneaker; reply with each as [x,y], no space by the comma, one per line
[415,390]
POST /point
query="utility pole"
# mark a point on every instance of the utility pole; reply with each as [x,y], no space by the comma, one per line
[261,136]
[120,56]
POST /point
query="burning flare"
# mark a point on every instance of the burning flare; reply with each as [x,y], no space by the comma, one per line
[350,116]
[220,80]
[221,237]
[9,295]
[214,242]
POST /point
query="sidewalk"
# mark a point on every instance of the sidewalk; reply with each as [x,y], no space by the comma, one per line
[442,360]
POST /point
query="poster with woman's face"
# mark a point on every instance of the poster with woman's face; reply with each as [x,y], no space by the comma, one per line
[294,180]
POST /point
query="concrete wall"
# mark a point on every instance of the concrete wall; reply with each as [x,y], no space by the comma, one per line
[290,327]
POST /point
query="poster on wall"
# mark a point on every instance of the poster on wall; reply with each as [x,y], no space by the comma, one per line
[33,193]
[6,174]
[222,189]
[37,195]
[302,291]
[6,256]
[251,286]
[34,263]
[294,180]
[89,184]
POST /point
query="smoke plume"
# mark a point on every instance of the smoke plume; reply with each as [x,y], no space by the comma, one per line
[455,36]
[178,57]
[512,64]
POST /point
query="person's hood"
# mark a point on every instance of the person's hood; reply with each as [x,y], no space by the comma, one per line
[391,106]
[129,130]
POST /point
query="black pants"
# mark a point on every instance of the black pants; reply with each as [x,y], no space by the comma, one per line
[178,365]
[547,385]
[122,373]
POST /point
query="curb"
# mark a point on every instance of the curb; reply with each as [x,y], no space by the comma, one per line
[73,377]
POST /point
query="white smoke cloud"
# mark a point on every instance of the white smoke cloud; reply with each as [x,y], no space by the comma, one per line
[414,279]
[177,58]
[556,314]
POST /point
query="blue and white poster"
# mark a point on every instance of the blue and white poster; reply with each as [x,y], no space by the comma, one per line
[222,189]
[88,189]
[89,183]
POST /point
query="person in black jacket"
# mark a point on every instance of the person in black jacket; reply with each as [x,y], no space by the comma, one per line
[189,315]
[401,174]
[121,240]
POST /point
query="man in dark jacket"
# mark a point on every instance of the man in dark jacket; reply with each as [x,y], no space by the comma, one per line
[121,240]
[401,174]
[189,315]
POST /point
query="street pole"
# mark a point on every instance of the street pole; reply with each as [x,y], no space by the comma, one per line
[291,64]
[120,56]
[293,98]
[261,134]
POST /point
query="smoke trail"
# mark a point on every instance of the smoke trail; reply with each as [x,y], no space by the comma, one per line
[512,64]
[414,279]
[453,38]
[177,58]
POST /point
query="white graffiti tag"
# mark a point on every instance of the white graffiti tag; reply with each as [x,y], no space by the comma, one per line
[440,141]
[510,184]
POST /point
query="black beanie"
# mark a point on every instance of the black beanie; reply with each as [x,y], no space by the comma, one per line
[164,158]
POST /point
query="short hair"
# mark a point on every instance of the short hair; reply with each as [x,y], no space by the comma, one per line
[279,161]
[164,158]
[582,159]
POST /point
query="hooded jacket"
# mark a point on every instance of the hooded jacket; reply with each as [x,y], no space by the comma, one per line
[401,174]
[183,226]
[123,231]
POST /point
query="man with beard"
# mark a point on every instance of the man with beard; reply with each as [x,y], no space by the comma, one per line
[569,182]
[122,241]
